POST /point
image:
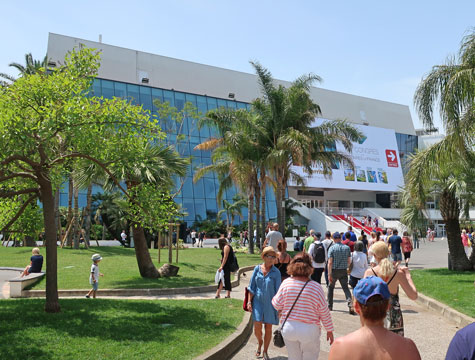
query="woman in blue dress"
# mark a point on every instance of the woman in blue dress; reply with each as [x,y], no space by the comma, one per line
[264,284]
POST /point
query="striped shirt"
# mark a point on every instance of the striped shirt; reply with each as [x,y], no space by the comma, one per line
[340,254]
[311,307]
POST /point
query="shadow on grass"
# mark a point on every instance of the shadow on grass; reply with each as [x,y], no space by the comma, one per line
[27,330]
[105,251]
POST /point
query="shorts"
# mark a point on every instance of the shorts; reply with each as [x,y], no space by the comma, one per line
[407,255]
[397,256]
[95,286]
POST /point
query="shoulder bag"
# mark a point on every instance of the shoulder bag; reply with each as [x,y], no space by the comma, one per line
[278,338]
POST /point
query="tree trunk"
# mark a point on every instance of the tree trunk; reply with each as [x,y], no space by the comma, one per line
[144,260]
[262,234]
[258,213]
[76,224]
[70,206]
[46,190]
[87,225]
[29,241]
[278,200]
[250,219]
[57,215]
[450,211]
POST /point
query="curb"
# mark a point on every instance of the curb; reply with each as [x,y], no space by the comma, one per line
[140,292]
[232,343]
[461,320]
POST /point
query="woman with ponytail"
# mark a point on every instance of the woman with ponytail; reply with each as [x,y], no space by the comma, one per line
[393,277]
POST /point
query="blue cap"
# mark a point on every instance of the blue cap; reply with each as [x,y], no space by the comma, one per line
[336,235]
[370,286]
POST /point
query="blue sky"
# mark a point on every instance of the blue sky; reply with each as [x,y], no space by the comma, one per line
[377,49]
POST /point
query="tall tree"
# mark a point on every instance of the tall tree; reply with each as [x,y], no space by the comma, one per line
[450,89]
[48,119]
[288,115]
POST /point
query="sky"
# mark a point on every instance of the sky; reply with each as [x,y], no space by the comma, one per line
[377,49]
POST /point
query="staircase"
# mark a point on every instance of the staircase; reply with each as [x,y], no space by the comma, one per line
[356,224]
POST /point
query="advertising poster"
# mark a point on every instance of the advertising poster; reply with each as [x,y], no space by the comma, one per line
[377,166]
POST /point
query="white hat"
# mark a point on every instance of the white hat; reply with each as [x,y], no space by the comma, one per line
[96,257]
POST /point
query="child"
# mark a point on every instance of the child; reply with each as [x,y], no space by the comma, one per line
[36,263]
[94,277]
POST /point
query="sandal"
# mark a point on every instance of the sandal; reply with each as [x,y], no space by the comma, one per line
[258,354]
[228,297]
[265,356]
[217,296]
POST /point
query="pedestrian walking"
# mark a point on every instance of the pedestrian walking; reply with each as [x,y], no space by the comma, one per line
[227,258]
[359,264]
[318,256]
[263,286]
[283,259]
[395,241]
[273,237]
[94,275]
[300,319]
[465,244]
[407,247]
[394,277]
[338,263]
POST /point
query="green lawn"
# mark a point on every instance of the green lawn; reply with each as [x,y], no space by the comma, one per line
[115,329]
[453,288]
[119,266]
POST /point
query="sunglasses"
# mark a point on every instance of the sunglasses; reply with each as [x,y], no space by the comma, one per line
[270,256]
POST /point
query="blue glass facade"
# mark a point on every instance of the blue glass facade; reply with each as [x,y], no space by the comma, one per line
[198,199]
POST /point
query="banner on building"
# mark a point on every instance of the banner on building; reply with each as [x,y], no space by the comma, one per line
[377,166]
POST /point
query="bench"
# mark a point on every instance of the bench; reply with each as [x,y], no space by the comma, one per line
[18,284]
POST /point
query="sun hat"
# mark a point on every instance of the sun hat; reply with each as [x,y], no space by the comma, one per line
[96,257]
[267,251]
[336,235]
[370,286]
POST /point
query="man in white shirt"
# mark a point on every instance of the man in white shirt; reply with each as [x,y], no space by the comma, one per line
[327,243]
[273,237]
[318,254]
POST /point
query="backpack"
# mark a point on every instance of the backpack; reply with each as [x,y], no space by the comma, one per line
[318,253]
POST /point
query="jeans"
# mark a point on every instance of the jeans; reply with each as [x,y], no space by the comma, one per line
[317,275]
[342,276]
[302,340]
[326,274]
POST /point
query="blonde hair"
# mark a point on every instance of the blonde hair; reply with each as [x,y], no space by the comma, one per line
[35,251]
[381,251]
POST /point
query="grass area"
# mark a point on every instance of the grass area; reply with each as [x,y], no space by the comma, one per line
[119,266]
[453,288]
[115,329]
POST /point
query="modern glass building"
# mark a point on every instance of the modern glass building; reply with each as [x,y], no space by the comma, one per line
[144,77]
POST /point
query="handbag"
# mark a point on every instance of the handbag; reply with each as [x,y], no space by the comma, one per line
[234,266]
[246,299]
[278,338]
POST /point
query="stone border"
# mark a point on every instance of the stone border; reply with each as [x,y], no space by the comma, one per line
[232,343]
[140,292]
[446,311]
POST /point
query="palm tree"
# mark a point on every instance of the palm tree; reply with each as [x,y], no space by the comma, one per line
[450,87]
[152,164]
[31,66]
[288,115]
[234,155]
[231,209]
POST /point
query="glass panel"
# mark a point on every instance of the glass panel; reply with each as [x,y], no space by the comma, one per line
[179,104]
[222,103]
[231,104]
[157,96]
[107,89]
[189,207]
[203,109]
[200,209]
[120,90]
[211,209]
[212,104]
[209,188]
[146,97]
[198,189]
[170,125]
[271,210]
[192,123]
[96,88]
[187,190]
[133,94]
